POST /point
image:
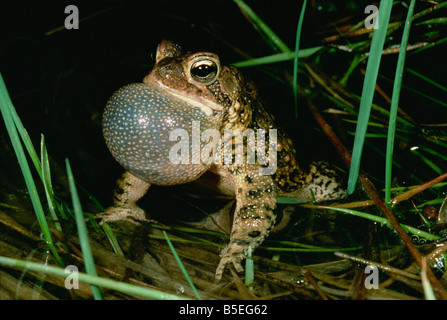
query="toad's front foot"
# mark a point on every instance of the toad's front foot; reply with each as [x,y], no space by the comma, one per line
[234,253]
[133,214]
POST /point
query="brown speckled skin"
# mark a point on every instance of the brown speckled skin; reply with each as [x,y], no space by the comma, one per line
[234,101]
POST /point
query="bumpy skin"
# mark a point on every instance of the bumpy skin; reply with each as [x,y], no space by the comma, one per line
[185,87]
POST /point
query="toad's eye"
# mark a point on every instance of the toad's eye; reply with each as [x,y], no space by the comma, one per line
[204,71]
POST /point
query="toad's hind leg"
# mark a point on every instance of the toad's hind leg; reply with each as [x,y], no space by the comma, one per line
[254,214]
[128,191]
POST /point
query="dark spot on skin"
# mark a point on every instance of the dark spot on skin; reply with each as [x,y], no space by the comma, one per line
[248,179]
[119,190]
[251,212]
[241,242]
[254,234]
[247,209]
[254,194]
[239,190]
[268,208]
[236,170]
[279,215]
[281,177]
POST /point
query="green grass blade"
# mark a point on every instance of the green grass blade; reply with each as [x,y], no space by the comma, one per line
[384,221]
[182,267]
[249,270]
[442,20]
[420,93]
[428,162]
[92,280]
[276,42]
[426,286]
[430,10]
[46,179]
[25,138]
[278,57]
[295,60]
[369,84]
[91,197]
[8,111]
[426,79]
[112,239]
[430,45]
[395,102]
[290,200]
[384,111]
[83,233]
[355,62]
[27,141]
[433,152]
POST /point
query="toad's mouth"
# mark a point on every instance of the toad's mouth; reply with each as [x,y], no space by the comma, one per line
[208,107]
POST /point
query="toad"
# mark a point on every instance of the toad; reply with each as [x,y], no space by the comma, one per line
[192,115]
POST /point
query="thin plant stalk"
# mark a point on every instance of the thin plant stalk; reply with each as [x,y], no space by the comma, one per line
[46,179]
[182,267]
[395,102]
[384,221]
[8,111]
[82,232]
[368,90]
[262,27]
[428,290]
[90,279]
[277,57]
[426,79]
[295,60]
